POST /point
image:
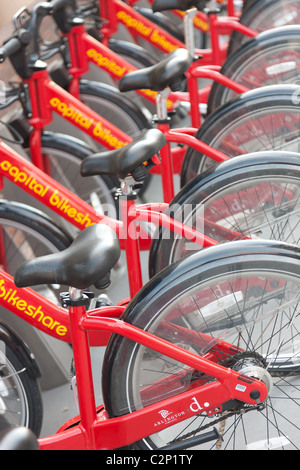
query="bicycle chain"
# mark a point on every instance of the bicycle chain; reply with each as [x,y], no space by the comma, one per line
[227,414]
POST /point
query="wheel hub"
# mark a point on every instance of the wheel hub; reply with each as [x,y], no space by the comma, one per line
[253,365]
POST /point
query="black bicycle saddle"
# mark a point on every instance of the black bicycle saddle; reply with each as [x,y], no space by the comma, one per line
[183,5]
[166,73]
[86,262]
[126,160]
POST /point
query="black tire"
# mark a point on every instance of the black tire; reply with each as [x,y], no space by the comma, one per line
[246,196]
[271,58]
[117,108]
[65,155]
[27,233]
[266,118]
[189,296]
[173,25]
[139,58]
[133,53]
[21,399]
[247,4]
[263,15]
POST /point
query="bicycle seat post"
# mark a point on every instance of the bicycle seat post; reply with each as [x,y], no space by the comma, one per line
[165,153]
[189,30]
[82,360]
[131,234]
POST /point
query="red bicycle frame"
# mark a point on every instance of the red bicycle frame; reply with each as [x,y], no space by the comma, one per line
[80,214]
[47,97]
[84,49]
[138,26]
[93,430]
[201,21]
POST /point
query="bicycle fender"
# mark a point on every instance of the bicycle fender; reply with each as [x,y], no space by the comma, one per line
[133,51]
[36,217]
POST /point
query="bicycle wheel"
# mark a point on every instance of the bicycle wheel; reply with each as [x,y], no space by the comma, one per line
[26,233]
[64,155]
[118,110]
[272,57]
[115,108]
[266,118]
[246,294]
[20,396]
[253,196]
[173,25]
[263,15]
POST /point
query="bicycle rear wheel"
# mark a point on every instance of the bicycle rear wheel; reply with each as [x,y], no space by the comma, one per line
[246,294]
[64,155]
[255,196]
[20,396]
[263,15]
[266,118]
[272,57]
[26,233]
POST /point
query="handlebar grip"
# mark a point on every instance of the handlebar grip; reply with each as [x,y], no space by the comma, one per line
[9,48]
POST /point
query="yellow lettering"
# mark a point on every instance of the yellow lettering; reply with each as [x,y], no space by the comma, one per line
[5,165]
[61,330]
[10,296]
[54,102]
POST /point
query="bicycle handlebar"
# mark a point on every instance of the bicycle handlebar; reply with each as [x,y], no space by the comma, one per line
[12,46]
[28,34]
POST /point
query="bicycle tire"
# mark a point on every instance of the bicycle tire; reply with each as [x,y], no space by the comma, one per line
[262,119]
[116,108]
[178,298]
[271,58]
[139,58]
[21,399]
[65,154]
[263,15]
[27,233]
[246,195]
[133,53]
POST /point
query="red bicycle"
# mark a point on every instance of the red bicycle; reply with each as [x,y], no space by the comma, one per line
[272,185]
[44,150]
[107,57]
[276,109]
[184,359]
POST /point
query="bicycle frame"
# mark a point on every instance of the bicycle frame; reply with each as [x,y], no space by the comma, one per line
[48,97]
[139,26]
[80,214]
[201,21]
[84,49]
[93,429]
